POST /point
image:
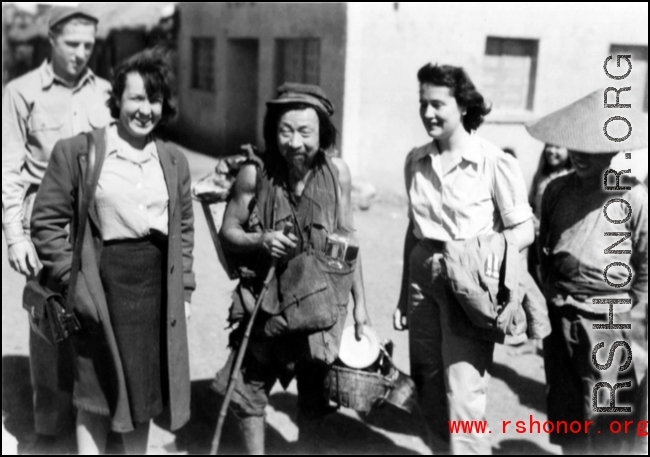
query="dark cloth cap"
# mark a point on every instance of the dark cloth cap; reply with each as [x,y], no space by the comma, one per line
[61,13]
[309,94]
[579,126]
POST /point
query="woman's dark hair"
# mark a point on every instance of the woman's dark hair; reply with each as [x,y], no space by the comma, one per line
[326,138]
[462,89]
[154,70]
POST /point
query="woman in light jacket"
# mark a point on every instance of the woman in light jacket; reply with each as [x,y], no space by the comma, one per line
[133,290]
[460,186]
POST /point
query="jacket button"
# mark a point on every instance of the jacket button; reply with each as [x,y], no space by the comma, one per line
[173,322]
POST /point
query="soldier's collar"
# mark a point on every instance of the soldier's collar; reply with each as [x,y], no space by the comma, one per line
[48,77]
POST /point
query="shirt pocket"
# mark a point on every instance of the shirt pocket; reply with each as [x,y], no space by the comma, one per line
[46,129]
[44,122]
[472,187]
[472,203]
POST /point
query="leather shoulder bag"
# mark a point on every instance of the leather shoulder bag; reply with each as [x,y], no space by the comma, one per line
[51,315]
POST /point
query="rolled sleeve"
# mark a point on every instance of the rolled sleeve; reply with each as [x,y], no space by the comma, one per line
[510,192]
[14,152]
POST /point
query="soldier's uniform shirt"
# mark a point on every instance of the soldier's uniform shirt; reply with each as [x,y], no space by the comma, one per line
[39,109]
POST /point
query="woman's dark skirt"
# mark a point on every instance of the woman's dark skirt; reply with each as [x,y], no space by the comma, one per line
[133,275]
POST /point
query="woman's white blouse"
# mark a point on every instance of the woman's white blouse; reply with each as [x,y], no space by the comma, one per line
[482,193]
[131,197]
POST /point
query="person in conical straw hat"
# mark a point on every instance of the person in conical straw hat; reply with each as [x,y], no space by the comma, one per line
[584,215]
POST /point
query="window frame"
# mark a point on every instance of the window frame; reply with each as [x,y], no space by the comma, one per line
[202,76]
[529,48]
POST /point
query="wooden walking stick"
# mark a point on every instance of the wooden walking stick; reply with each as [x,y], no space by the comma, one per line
[242,351]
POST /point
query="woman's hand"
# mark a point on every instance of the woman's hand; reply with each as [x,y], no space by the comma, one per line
[360,319]
[278,244]
[400,317]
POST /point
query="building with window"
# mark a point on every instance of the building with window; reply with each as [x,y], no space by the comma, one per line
[509,71]
[527,59]
[233,56]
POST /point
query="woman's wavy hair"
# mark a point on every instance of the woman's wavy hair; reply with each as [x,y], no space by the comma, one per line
[462,89]
[152,66]
[327,132]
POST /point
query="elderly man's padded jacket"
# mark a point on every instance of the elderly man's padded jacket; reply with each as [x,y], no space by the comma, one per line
[498,295]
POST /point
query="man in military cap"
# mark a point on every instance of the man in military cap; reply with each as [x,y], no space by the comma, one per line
[576,243]
[59,99]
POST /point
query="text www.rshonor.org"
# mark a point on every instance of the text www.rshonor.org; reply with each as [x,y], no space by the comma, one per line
[534,426]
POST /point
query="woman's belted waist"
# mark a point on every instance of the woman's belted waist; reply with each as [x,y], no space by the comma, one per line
[154,237]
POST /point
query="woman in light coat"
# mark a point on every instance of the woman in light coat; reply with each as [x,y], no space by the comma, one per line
[135,281]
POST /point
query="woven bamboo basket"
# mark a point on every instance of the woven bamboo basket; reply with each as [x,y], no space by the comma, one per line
[356,389]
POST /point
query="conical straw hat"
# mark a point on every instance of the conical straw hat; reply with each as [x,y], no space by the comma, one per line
[580,126]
